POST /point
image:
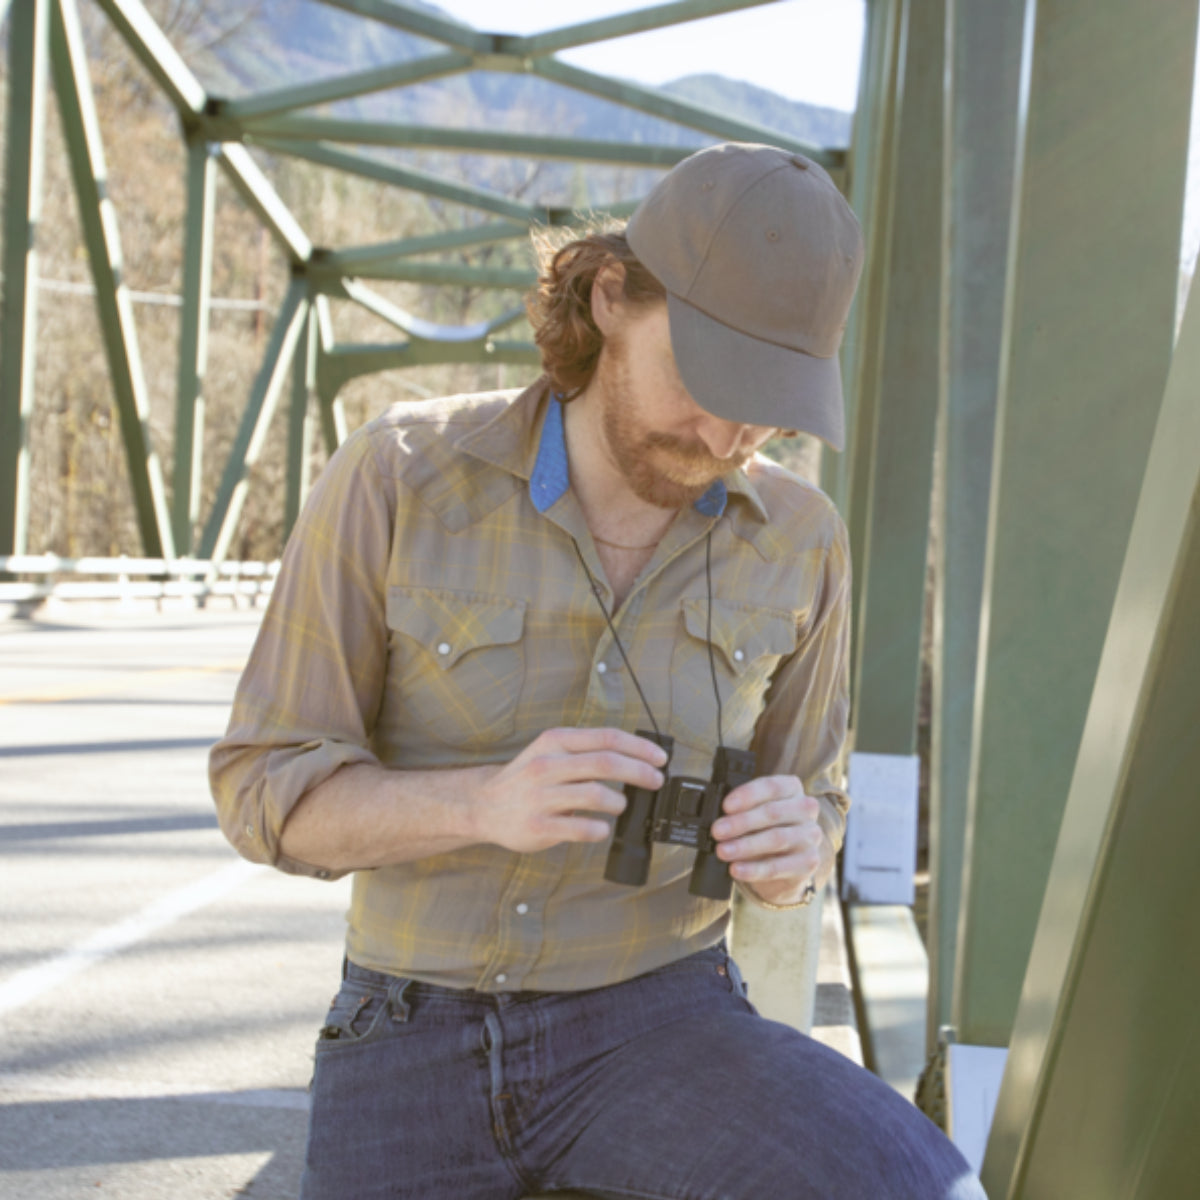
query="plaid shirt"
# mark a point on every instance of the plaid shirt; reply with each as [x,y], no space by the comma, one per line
[432,612]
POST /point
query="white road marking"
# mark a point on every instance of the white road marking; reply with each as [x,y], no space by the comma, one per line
[29,1084]
[29,984]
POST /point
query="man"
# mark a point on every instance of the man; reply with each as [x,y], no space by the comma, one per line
[484,599]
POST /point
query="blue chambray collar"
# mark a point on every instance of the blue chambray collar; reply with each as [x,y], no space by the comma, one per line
[552,475]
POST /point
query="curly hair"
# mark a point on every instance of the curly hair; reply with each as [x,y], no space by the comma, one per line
[560,307]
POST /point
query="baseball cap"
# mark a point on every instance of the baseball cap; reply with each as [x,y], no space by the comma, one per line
[760,255]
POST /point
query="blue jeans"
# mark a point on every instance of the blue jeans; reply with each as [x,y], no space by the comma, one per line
[667,1086]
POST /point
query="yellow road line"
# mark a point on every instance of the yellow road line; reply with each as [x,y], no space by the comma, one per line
[113,688]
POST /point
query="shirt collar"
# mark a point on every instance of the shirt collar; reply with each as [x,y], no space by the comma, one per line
[513,442]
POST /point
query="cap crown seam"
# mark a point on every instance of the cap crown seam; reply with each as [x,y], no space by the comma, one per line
[722,223]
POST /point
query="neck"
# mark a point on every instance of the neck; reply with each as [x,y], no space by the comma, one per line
[613,511]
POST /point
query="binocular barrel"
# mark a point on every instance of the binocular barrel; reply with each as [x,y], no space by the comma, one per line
[710,876]
[629,855]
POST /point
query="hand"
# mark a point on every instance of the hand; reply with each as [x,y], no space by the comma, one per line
[770,837]
[538,800]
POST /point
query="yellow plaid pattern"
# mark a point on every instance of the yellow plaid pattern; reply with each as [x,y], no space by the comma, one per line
[428,615]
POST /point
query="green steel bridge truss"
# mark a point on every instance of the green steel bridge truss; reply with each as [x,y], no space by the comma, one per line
[1014,382]
[46,41]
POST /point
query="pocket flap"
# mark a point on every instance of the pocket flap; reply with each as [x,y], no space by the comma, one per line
[450,624]
[742,635]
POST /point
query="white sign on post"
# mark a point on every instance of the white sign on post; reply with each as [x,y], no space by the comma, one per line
[881,830]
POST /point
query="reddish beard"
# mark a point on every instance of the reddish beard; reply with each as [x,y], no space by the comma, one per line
[661,469]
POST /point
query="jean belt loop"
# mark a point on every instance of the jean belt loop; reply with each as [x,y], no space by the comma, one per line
[397,1005]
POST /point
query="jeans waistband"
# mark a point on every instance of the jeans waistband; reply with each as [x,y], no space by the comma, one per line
[710,955]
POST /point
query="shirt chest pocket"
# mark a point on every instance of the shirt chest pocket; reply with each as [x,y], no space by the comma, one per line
[747,645]
[456,663]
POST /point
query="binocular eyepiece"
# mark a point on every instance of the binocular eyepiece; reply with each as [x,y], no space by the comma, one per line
[680,812]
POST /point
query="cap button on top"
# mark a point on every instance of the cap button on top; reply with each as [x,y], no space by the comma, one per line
[800,161]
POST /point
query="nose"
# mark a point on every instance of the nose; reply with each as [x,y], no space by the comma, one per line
[723,438]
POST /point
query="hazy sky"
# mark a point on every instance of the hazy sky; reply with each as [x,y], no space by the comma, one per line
[804,49]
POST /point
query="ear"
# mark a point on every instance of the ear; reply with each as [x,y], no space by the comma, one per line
[608,294]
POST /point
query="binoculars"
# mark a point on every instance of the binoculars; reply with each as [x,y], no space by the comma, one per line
[680,812]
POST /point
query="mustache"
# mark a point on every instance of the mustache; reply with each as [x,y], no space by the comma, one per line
[695,454]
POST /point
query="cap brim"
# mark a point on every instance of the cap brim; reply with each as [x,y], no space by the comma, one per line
[742,378]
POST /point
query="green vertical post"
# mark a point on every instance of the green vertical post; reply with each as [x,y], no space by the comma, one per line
[870,312]
[256,419]
[1091,293]
[892,568]
[27,42]
[81,131]
[193,341]
[985,49]
[300,423]
[866,168]
[1102,1082]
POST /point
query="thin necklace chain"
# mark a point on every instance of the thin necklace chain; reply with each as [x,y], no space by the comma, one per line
[619,546]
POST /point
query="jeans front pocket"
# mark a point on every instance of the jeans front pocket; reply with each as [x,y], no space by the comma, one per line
[363,1011]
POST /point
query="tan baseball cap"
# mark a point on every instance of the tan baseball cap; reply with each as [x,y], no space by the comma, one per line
[760,255]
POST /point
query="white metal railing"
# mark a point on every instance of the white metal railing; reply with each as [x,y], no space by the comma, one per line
[157,578]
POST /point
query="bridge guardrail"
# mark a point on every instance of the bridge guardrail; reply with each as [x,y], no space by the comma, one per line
[125,578]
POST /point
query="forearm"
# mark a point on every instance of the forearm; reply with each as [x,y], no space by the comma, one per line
[366,816]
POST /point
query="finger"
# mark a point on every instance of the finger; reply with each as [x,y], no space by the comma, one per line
[786,866]
[792,810]
[574,740]
[578,829]
[590,797]
[780,839]
[595,765]
[762,790]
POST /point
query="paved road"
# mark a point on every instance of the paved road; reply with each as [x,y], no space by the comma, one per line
[158,997]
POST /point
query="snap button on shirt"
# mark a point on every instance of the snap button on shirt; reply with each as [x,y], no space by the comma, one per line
[443,648]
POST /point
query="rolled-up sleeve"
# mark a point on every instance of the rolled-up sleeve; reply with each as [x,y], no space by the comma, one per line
[802,729]
[308,700]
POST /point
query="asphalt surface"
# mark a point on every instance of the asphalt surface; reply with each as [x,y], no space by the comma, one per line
[159,998]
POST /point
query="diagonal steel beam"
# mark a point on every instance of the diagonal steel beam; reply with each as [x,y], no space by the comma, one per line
[193,342]
[659,104]
[157,55]
[258,192]
[446,273]
[352,258]
[345,86]
[522,145]
[417,327]
[622,25]
[424,24]
[338,366]
[1107,1024]
[406,177]
[81,132]
[27,49]
[256,419]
